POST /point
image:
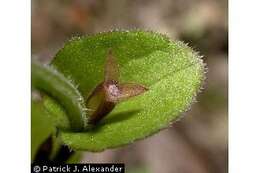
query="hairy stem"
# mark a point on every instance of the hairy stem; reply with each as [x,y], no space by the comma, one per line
[54,84]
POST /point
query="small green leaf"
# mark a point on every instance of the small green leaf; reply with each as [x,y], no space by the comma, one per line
[41,125]
[172,71]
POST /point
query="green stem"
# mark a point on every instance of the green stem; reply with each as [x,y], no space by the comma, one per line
[54,84]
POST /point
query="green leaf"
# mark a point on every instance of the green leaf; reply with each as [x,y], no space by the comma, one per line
[172,71]
[41,125]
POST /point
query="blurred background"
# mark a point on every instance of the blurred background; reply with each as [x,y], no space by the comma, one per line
[199,142]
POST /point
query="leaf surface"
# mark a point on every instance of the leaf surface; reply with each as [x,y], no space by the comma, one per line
[172,71]
[41,126]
